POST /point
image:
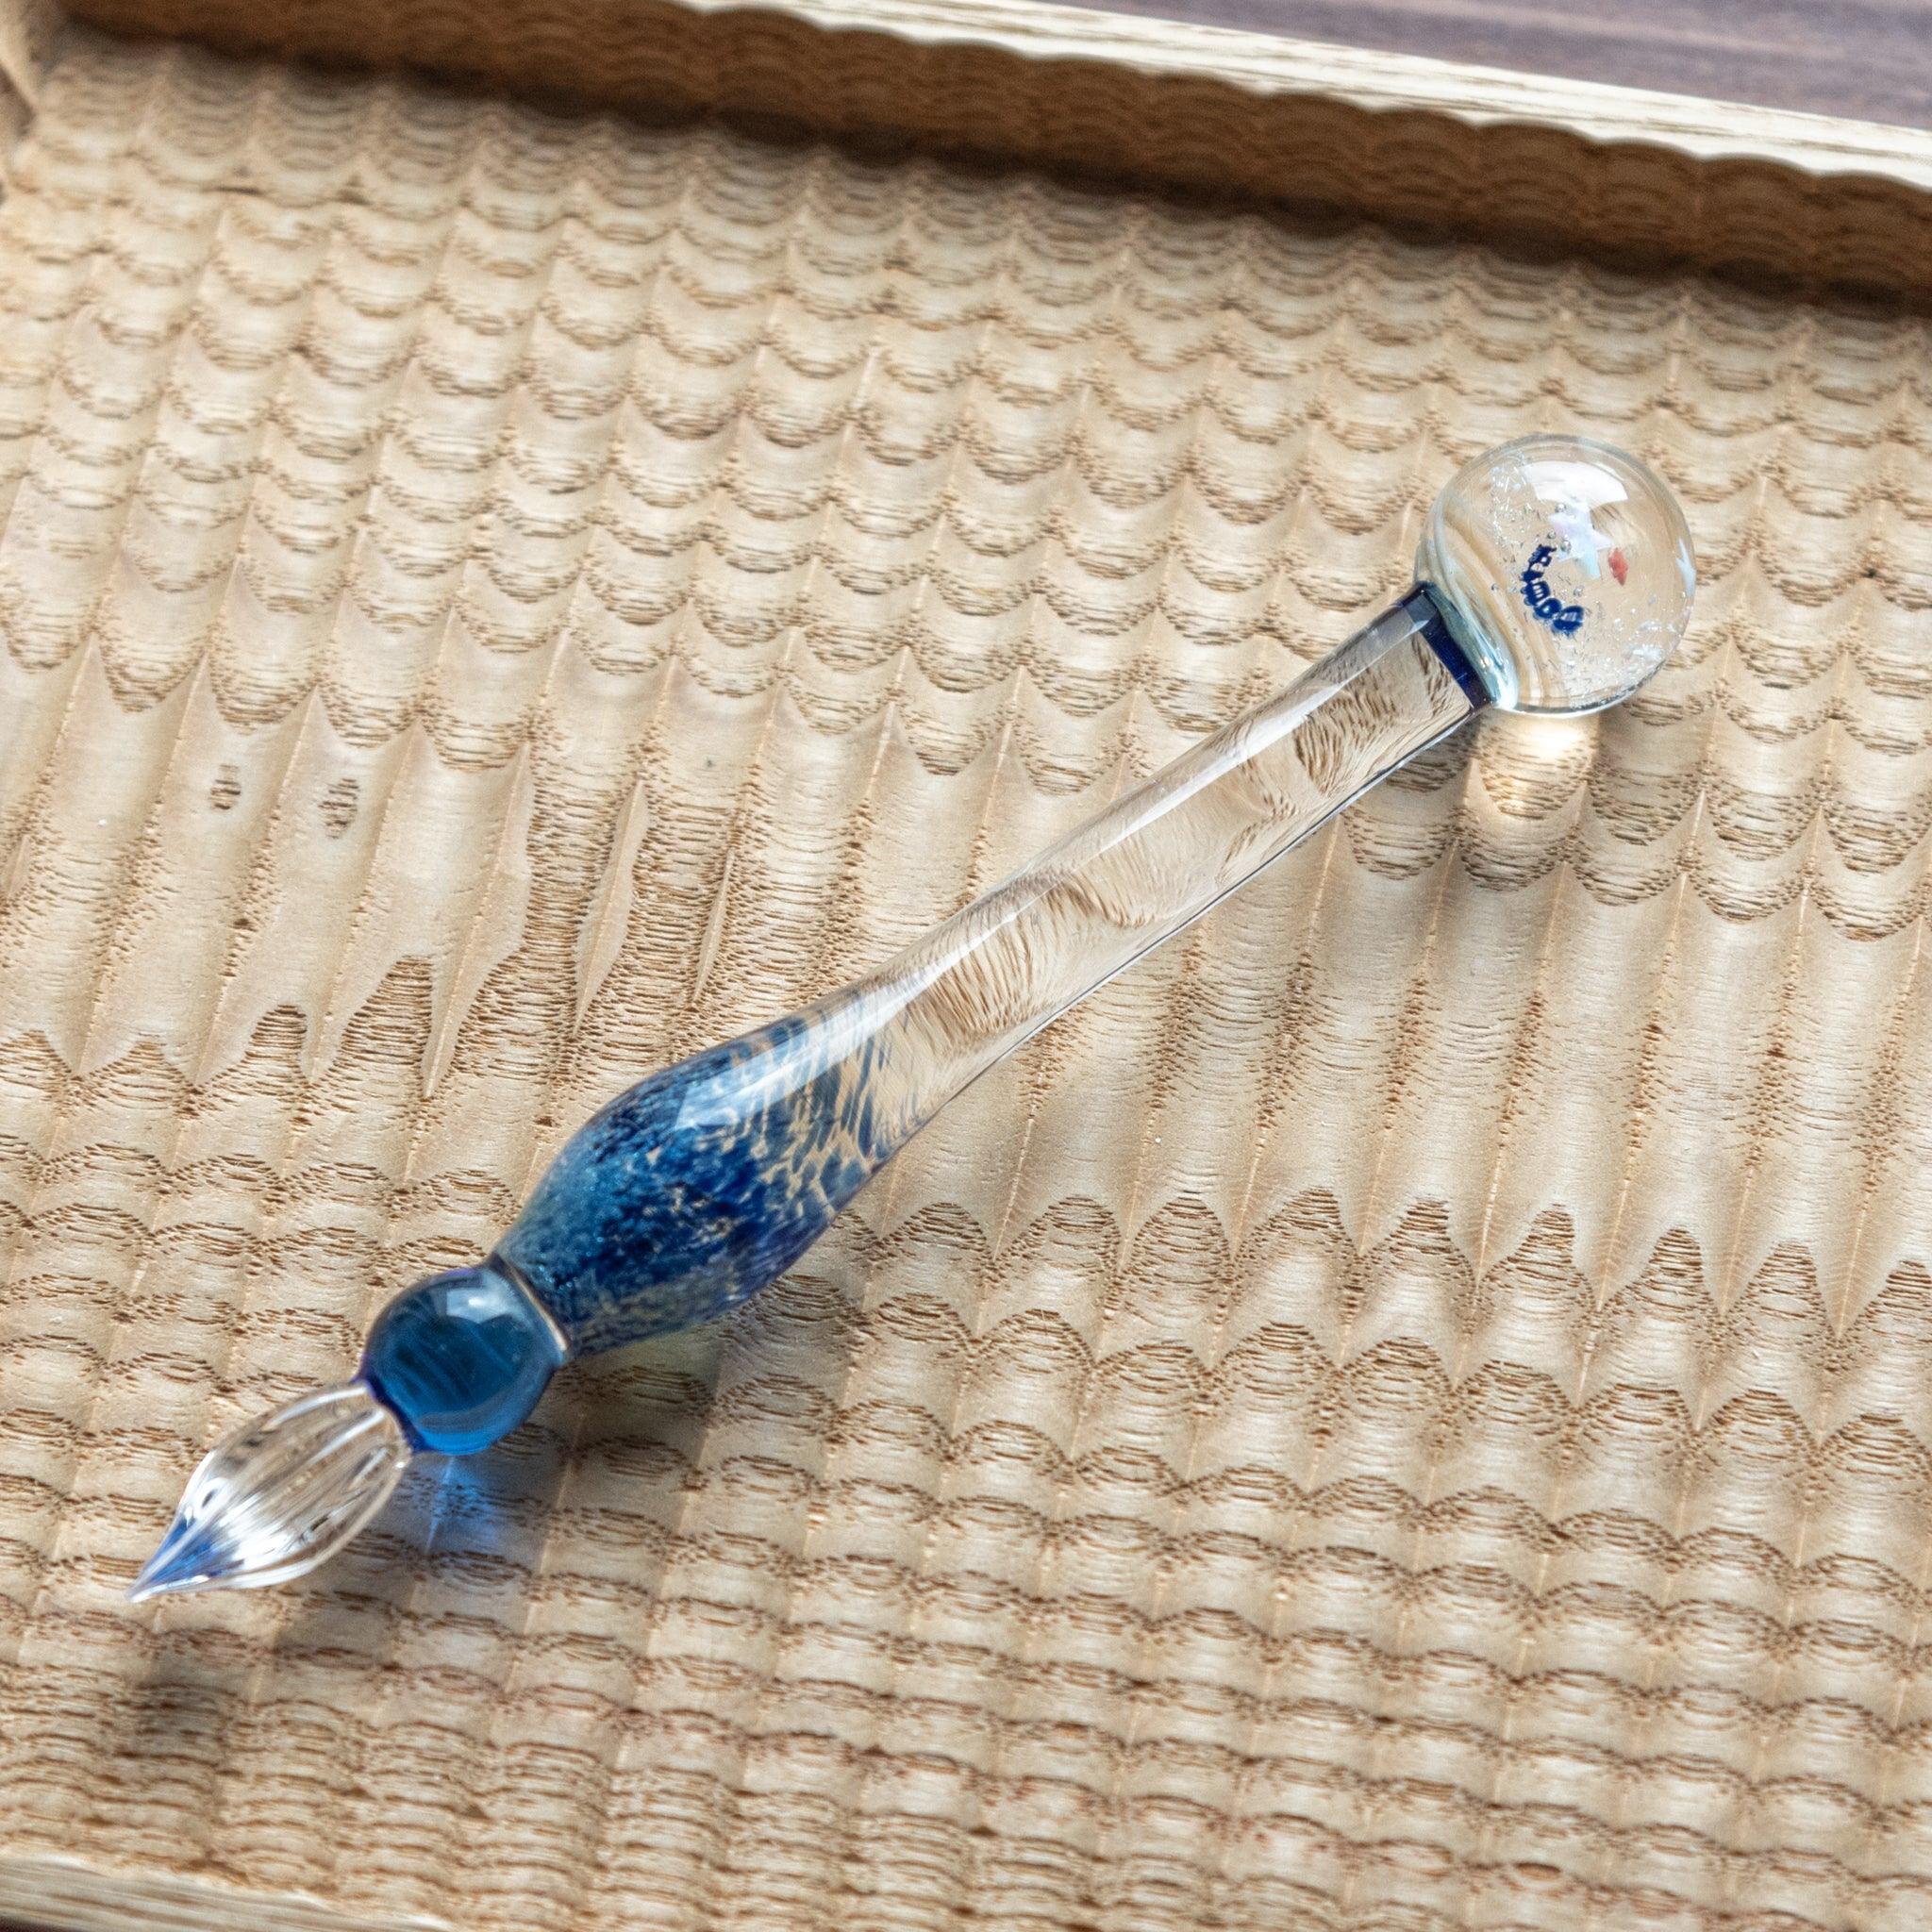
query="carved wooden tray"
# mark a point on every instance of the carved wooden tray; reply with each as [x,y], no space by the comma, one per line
[1411,1410]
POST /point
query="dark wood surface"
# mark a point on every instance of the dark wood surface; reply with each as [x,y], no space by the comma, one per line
[1868,58]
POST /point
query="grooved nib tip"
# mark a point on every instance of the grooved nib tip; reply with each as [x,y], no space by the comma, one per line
[188,1557]
[280,1495]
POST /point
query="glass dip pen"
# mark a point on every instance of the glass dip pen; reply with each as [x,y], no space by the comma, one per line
[1554,575]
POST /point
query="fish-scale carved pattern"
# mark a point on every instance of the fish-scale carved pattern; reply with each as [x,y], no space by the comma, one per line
[1410,1410]
[1053,88]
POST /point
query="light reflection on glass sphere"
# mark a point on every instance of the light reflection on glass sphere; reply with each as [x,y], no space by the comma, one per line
[1564,567]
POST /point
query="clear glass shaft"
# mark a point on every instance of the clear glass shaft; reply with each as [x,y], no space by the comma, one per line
[976,987]
[709,1179]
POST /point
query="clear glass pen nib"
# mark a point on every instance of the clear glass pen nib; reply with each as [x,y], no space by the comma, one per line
[281,1494]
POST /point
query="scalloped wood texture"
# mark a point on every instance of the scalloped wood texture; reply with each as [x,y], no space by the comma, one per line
[1409,1412]
[1514,155]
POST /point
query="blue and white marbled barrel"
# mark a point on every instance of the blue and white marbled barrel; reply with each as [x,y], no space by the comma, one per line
[701,1184]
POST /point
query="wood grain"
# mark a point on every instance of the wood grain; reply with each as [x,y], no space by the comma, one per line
[1413,1408]
[68,1896]
[1158,99]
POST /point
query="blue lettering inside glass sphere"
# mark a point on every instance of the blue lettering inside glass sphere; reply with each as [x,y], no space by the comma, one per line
[1545,604]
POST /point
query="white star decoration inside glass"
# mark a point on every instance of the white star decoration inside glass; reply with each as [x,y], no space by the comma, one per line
[1583,543]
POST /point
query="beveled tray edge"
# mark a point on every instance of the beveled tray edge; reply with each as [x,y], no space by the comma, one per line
[1533,163]
[67,1896]
[1705,129]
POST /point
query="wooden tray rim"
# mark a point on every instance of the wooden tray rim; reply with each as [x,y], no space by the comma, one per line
[39,1894]
[1703,130]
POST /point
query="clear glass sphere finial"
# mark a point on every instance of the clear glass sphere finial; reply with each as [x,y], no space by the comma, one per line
[1564,567]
